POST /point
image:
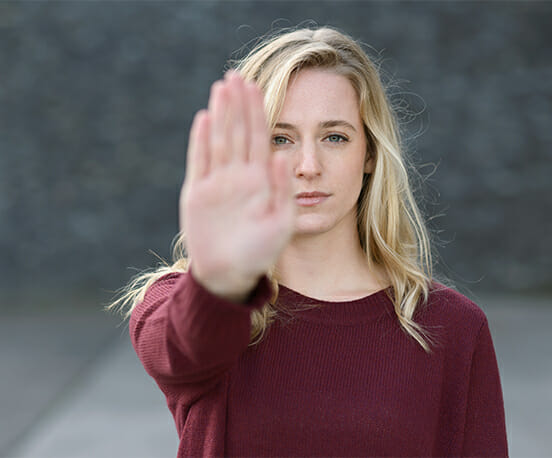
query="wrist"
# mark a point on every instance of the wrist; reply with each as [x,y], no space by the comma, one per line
[230,287]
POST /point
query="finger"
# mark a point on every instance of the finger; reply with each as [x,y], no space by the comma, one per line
[218,132]
[259,141]
[238,118]
[197,156]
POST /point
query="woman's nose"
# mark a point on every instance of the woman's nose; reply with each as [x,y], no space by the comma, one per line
[308,163]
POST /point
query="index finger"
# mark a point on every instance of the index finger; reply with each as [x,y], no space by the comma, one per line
[197,156]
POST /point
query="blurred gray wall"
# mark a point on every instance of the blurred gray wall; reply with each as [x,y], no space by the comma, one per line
[96,101]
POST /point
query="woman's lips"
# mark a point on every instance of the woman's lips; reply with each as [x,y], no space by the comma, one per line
[308,199]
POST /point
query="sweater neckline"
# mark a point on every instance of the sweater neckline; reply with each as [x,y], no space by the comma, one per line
[350,312]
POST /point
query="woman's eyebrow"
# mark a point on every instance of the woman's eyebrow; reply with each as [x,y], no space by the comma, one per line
[337,123]
[323,125]
[285,126]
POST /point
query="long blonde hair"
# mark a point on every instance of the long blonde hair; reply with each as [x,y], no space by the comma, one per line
[391,229]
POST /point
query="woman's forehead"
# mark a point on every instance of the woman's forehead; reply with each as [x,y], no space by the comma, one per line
[319,96]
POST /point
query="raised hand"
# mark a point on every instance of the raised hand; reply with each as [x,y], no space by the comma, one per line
[236,205]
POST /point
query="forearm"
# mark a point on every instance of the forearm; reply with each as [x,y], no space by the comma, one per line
[184,333]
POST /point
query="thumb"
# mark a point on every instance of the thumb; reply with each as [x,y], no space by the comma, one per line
[281,183]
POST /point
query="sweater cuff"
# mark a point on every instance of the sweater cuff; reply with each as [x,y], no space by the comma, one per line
[259,295]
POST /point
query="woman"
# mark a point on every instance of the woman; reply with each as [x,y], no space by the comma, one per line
[305,320]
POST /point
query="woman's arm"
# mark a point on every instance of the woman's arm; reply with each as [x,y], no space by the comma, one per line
[184,334]
[237,214]
[485,430]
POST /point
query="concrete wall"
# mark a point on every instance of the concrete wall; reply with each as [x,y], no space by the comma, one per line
[96,100]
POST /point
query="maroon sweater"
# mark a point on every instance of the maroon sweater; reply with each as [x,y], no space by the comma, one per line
[339,380]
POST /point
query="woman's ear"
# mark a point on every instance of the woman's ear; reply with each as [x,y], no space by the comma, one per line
[369,164]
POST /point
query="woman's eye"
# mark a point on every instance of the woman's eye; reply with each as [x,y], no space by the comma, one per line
[336,138]
[279,140]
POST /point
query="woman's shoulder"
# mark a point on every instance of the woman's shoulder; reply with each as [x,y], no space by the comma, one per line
[450,310]
[157,291]
[168,279]
[163,285]
[448,299]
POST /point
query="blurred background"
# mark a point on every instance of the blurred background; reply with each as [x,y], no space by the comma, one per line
[96,99]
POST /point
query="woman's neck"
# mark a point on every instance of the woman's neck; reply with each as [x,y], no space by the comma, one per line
[326,266]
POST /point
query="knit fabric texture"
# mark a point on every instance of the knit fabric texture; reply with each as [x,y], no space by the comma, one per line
[328,378]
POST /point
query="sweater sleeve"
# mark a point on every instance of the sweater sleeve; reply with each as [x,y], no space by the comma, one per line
[184,334]
[485,431]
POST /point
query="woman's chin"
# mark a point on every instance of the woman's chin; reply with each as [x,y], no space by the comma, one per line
[310,227]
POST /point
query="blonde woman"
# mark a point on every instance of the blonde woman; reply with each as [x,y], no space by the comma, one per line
[305,320]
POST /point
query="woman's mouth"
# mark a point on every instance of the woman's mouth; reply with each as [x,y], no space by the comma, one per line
[308,199]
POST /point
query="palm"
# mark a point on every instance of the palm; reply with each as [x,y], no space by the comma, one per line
[230,218]
[236,210]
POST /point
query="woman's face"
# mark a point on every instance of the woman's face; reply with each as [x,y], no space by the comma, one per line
[321,130]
